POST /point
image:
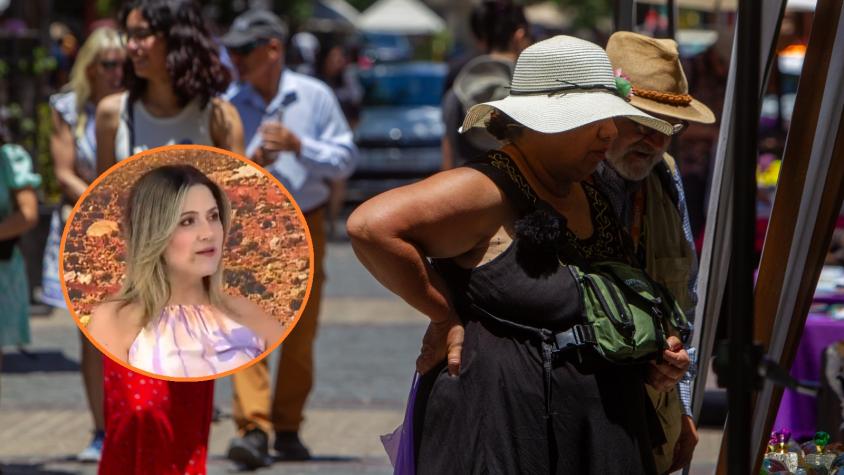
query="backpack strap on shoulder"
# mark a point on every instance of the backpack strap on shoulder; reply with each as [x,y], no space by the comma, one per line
[665,170]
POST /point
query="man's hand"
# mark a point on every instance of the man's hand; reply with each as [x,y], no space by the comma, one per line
[685,447]
[278,138]
[443,339]
[675,362]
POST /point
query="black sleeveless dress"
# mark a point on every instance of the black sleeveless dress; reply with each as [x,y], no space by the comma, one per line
[516,408]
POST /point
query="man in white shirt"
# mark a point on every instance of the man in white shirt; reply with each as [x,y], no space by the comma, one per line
[293,125]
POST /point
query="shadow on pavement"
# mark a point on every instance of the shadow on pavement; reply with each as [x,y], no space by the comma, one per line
[50,361]
[322,459]
[30,469]
[314,463]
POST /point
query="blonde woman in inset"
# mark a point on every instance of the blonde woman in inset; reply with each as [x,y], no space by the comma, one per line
[97,73]
[172,318]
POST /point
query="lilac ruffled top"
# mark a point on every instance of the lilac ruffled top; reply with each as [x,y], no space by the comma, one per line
[193,341]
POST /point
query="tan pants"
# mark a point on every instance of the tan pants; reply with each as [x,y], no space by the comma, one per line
[670,412]
[296,365]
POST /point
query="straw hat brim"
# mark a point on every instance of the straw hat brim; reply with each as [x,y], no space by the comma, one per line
[696,111]
[552,114]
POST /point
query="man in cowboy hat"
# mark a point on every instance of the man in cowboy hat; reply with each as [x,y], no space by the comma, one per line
[641,180]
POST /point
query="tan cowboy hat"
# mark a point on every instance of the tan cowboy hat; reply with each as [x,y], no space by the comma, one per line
[560,84]
[653,68]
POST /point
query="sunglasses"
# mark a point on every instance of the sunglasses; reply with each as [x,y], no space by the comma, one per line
[109,65]
[137,34]
[245,49]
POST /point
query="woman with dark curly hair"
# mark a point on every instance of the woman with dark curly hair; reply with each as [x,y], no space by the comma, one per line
[173,79]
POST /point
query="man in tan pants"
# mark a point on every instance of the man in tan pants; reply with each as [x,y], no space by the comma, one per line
[293,125]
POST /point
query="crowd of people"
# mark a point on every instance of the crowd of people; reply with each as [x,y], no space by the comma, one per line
[555,170]
[159,79]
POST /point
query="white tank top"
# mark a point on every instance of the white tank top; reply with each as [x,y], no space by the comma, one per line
[190,126]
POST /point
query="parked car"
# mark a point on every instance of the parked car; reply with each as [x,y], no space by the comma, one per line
[400,127]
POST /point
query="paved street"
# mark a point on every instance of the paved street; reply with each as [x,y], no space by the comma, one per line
[365,353]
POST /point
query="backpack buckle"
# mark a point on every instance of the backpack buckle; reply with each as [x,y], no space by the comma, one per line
[576,337]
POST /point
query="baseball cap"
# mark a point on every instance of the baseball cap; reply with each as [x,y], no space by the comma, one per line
[252,25]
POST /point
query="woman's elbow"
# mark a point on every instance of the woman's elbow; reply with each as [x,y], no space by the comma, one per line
[368,225]
[29,210]
[358,226]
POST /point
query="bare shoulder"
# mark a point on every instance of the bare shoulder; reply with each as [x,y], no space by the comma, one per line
[226,126]
[109,107]
[222,106]
[242,306]
[252,316]
[223,113]
[115,325]
[461,206]
[458,191]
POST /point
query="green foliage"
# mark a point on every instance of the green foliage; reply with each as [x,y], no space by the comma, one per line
[588,12]
[42,62]
[43,160]
[106,8]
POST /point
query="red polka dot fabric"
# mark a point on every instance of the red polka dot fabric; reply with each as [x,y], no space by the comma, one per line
[154,426]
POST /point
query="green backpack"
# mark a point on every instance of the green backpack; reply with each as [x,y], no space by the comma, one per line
[627,315]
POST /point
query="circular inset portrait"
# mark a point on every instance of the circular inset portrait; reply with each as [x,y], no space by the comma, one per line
[186,263]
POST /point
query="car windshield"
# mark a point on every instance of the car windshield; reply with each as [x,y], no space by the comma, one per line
[411,84]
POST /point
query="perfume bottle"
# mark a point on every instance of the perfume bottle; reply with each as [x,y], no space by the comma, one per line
[771,466]
[782,454]
[819,456]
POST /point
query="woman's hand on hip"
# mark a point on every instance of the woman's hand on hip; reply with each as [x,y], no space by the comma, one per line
[442,340]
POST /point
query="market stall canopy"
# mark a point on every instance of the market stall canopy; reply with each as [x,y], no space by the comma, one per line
[410,17]
[332,15]
[692,42]
[548,15]
[730,5]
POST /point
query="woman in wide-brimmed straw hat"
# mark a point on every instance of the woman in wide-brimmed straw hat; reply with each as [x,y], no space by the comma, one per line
[491,398]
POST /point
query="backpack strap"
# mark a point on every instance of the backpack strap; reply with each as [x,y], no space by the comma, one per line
[665,170]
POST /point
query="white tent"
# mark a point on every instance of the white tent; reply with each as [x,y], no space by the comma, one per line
[731,5]
[410,17]
[547,14]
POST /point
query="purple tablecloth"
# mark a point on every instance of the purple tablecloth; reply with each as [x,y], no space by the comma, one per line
[798,412]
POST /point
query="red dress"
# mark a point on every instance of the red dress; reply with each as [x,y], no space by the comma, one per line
[154,426]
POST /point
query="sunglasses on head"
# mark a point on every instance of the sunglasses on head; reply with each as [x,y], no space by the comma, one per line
[245,49]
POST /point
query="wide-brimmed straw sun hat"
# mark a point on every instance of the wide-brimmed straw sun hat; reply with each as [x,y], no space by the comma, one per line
[560,84]
[653,68]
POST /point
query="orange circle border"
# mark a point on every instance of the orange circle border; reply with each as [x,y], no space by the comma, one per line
[204,148]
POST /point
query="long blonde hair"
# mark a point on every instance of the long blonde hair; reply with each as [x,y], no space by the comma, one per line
[102,39]
[152,215]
